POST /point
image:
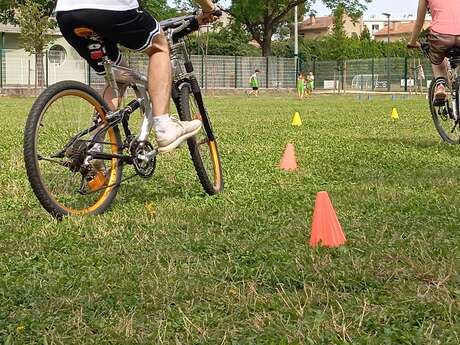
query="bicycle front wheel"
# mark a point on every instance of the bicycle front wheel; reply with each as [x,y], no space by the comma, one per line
[203,150]
[62,128]
[443,115]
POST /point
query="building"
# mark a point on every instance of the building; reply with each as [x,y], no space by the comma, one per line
[398,31]
[319,27]
[376,23]
[17,67]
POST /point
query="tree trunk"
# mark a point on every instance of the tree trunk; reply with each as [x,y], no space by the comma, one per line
[39,70]
[267,42]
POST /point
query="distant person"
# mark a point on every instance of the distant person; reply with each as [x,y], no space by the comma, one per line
[420,77]
[444,35]
[310,83]
[301,86]
[254,83]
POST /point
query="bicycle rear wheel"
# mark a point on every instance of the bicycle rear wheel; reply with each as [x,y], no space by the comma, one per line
[443,115]
[203,150]
[61,172]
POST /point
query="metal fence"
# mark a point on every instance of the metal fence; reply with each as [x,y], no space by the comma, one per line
[18,70]
[394,74]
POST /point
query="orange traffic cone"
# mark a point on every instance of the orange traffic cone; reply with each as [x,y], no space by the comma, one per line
[326,227]
[289,162]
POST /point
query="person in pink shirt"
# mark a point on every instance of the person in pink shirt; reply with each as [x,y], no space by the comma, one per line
[444,35]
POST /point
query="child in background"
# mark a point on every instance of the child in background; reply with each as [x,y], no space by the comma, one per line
[254,83]
[301,86]
[444,35]
[310,83]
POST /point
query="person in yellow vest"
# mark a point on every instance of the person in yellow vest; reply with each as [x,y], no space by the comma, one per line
[254,83]
[301,86]
[310,84]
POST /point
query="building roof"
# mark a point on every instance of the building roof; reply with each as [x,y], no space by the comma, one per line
[318,23]
[399,28]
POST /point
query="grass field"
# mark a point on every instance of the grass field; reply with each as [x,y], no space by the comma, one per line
[168,265]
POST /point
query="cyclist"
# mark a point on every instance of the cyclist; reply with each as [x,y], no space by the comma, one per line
[444,34]
[125,22]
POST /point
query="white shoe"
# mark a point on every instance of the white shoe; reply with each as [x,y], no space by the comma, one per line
[175,133]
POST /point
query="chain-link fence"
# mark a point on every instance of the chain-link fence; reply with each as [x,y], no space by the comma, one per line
[19,70]
[394,74]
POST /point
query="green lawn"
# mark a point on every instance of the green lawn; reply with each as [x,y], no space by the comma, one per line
[169,265]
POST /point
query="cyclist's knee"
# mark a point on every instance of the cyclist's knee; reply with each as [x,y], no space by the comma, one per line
[159,45]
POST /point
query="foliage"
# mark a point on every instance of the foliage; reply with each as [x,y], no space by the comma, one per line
[159,8]
[9,9]
[351,48]
[35,27]
[263,18]
[365,34]
[230,40]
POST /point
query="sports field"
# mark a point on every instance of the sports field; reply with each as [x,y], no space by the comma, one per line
[169,265]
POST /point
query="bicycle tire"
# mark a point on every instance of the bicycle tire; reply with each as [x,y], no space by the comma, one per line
[34,122]
[212,185]
[438,118]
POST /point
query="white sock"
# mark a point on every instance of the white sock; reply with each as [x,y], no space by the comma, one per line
[161,122]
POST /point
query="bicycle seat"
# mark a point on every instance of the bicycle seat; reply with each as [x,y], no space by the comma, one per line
[84,32]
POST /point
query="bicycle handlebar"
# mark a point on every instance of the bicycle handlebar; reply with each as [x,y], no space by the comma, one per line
[184,25]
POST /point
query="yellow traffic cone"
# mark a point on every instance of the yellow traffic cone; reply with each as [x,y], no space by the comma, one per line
[296,120]
[394,114]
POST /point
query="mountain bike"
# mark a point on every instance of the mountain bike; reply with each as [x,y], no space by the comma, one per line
[446,114]
[75,149]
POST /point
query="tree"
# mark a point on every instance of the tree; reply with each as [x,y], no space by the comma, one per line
[365,35]
[228,40]
[35,33]
[338,36]
[9,9]
[262,18]
[159,8]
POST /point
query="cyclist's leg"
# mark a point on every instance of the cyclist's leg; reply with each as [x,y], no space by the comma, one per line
[138,30]
[69,21]
[160,74]
[439,45]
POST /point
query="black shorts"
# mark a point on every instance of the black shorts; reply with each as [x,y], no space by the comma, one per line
[255,88]
[134,29]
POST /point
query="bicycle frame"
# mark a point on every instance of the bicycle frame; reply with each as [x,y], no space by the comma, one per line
[182,70]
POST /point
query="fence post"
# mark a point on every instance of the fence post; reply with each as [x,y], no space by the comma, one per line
[278,72]
[2,47]
[266,71]
[373,74]
[202,70]
[314,72]
[46,68]
[1,68]
[236,72]
[405,74]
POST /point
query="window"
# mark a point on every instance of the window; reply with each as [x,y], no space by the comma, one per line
[375,27]
[57,55]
